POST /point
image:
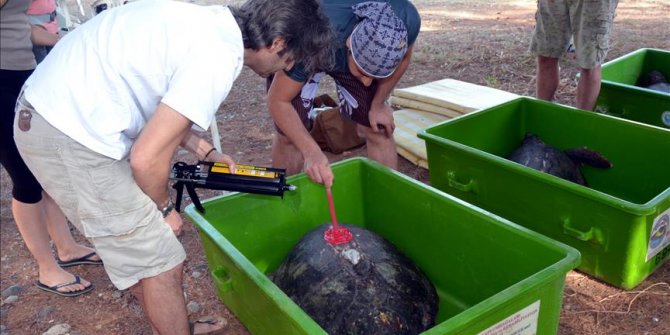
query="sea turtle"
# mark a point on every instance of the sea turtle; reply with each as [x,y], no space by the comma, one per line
[654,80]
[365,286]
[536,154]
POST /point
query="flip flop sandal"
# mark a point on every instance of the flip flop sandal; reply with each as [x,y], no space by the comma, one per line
[210,321]
[83,260]
[54,289]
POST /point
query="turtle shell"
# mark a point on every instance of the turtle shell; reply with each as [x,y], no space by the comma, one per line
[365,286]
[536,154]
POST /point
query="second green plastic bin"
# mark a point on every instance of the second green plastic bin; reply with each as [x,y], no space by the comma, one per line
[619,95]
[619,223]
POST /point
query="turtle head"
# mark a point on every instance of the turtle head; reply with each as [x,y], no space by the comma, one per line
[588,156]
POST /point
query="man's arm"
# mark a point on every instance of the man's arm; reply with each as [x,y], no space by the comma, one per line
[380,112]
[204,150]
[152,153]
[280,94]
[40,36]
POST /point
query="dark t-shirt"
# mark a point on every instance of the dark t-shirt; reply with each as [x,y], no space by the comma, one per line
[343,20]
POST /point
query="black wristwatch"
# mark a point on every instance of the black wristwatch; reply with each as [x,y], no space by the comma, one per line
[167,209]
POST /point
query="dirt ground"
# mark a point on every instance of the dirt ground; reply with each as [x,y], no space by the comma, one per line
[479,41]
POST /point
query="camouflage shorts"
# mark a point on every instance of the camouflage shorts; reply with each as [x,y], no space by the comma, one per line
[588,22]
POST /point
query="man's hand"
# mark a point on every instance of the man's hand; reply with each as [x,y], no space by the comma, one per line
[317,168]
[216,156]
[381,119]
[174,221]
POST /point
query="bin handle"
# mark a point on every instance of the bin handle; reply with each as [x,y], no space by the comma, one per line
[222,279]
[581,235]
[470,186]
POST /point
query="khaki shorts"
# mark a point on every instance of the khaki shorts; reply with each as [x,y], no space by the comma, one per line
[588,22]
[100,197]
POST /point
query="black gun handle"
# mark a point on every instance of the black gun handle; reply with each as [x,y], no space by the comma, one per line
[179,186]
[190,188]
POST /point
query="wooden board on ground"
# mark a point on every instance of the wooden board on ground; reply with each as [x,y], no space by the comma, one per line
[455,95]
[408,123]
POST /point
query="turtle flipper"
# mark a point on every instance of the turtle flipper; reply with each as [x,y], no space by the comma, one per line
[588,156]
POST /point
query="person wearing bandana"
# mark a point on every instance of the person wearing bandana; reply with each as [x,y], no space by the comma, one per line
[374,48]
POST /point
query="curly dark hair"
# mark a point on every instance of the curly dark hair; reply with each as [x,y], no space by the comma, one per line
[301,23]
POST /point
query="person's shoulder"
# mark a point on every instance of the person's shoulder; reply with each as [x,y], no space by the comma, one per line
[297,73]
[407,8]
[409,14]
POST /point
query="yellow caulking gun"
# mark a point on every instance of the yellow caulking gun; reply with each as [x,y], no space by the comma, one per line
[217,176]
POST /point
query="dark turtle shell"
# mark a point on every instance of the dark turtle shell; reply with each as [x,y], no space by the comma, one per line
[365,286]
[654,80]
[536,154]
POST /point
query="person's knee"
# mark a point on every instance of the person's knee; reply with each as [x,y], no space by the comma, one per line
[373,138]
[27,192]
[285,155]
[25,187]
[590,73]
[544,61]
[136,290]
[173,276]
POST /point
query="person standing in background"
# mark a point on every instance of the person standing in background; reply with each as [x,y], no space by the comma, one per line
[37,216]
[42,14]
[589,23]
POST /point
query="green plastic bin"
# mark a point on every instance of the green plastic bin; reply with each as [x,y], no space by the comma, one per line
[489,273]
[619,223]
[620,97]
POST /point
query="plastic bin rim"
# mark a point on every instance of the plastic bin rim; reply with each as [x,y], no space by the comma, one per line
[639,89]
[635,52]
[571,257]
[612,201]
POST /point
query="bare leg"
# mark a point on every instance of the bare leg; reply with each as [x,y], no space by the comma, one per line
[547,78]
[136,290]
[66,247]
[164,303]
[588,88]
[30,219]
[286,155]
[380,148]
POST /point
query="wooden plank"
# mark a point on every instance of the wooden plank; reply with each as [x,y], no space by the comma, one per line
[424,106]
[456,95]
[408,123]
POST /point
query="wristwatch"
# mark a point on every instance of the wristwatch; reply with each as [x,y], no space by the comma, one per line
[167,209]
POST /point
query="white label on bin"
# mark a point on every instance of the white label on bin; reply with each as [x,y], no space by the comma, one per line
[665,117]
[523,322]
[660,235]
